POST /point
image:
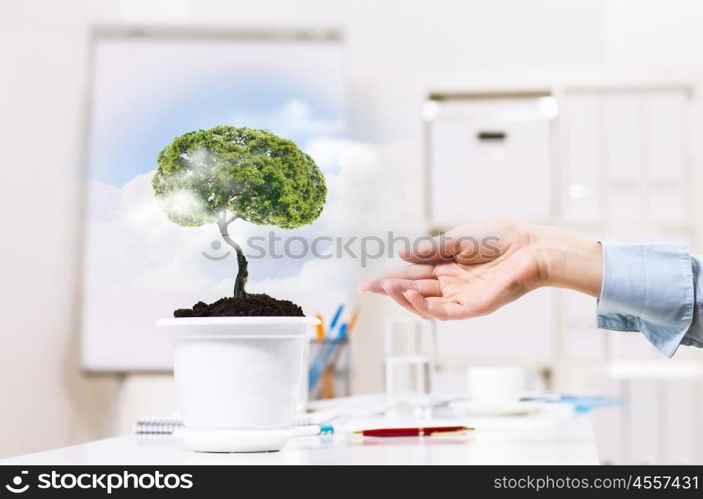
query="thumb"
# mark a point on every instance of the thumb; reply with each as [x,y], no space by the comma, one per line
[430,250]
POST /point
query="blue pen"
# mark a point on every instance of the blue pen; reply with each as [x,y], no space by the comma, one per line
[336,317]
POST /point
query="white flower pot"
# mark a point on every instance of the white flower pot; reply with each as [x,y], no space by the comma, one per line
[239,377]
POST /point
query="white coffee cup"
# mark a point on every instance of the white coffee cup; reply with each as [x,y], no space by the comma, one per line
[495,384]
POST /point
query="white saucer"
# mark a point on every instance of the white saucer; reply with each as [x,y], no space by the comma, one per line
[495,409]
[207,440]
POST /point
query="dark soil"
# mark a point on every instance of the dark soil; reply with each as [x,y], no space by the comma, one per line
[253,305]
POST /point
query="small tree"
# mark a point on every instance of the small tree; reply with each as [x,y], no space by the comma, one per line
[225,173]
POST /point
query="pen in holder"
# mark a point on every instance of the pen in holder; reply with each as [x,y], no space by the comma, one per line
[329,374]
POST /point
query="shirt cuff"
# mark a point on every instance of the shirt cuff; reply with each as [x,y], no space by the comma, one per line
[694,335]
[647,288]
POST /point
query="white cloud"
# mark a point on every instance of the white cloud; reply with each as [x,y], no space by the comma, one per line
[326,151]
[293,115]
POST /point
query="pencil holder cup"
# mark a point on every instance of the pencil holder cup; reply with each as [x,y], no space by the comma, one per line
[237,374]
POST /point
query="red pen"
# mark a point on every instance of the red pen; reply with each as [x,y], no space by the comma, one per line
[415,432]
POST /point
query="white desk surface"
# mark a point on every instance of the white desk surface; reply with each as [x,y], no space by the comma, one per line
[554,435]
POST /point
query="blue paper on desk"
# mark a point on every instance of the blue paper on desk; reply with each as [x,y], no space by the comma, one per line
[581,403]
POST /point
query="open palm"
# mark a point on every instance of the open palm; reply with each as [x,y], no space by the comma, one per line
[471,270]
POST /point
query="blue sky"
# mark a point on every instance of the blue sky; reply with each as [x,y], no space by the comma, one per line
[143,98]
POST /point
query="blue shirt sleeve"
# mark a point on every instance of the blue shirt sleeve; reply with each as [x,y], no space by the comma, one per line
[650,288]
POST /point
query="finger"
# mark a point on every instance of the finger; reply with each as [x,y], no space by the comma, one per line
[435,308]
[394,289]
[449,269]
[426,287]
[411,272]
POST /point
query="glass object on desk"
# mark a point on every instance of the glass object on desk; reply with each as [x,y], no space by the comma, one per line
[409,360]
[335,379]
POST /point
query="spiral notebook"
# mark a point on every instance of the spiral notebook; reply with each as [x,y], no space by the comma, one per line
[166,426]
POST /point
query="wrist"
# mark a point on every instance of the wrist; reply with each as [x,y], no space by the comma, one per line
[566,260]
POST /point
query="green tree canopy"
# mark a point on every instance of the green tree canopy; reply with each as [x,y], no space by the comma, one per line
[227,172]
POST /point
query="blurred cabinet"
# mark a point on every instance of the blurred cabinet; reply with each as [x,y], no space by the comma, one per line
[581,196]
[658,421]
[665,161]
[489,156]
[624,157]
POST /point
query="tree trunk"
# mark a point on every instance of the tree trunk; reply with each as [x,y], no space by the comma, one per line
[242,265]
[242,274]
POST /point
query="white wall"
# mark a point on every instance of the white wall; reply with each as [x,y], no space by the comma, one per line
[397,51]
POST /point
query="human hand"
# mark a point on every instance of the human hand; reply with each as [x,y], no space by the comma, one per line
[474,269]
